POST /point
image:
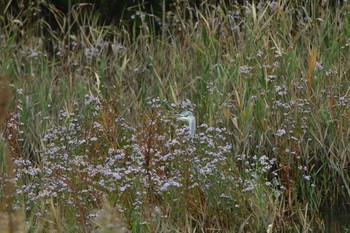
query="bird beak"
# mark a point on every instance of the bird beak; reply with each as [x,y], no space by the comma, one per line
[174,115]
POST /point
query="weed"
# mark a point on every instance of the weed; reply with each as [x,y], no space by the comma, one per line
[93,149]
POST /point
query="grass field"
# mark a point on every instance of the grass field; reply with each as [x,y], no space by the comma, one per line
[88,145]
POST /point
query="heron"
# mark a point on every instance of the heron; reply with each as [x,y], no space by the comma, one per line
[188,117]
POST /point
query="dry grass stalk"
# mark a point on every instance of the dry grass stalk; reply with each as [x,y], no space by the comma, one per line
[5,97]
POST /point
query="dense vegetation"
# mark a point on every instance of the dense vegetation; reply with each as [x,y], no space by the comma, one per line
[87,144]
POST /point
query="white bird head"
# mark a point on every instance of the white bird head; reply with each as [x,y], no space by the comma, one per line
[188,117]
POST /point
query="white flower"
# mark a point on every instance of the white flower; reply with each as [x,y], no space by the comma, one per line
[280,133]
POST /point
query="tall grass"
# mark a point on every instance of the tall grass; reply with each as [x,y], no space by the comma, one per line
[92,147]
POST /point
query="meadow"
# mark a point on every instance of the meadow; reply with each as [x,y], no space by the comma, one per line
[88,146]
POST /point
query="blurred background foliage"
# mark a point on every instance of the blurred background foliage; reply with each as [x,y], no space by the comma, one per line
[122,10]
[49,19]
